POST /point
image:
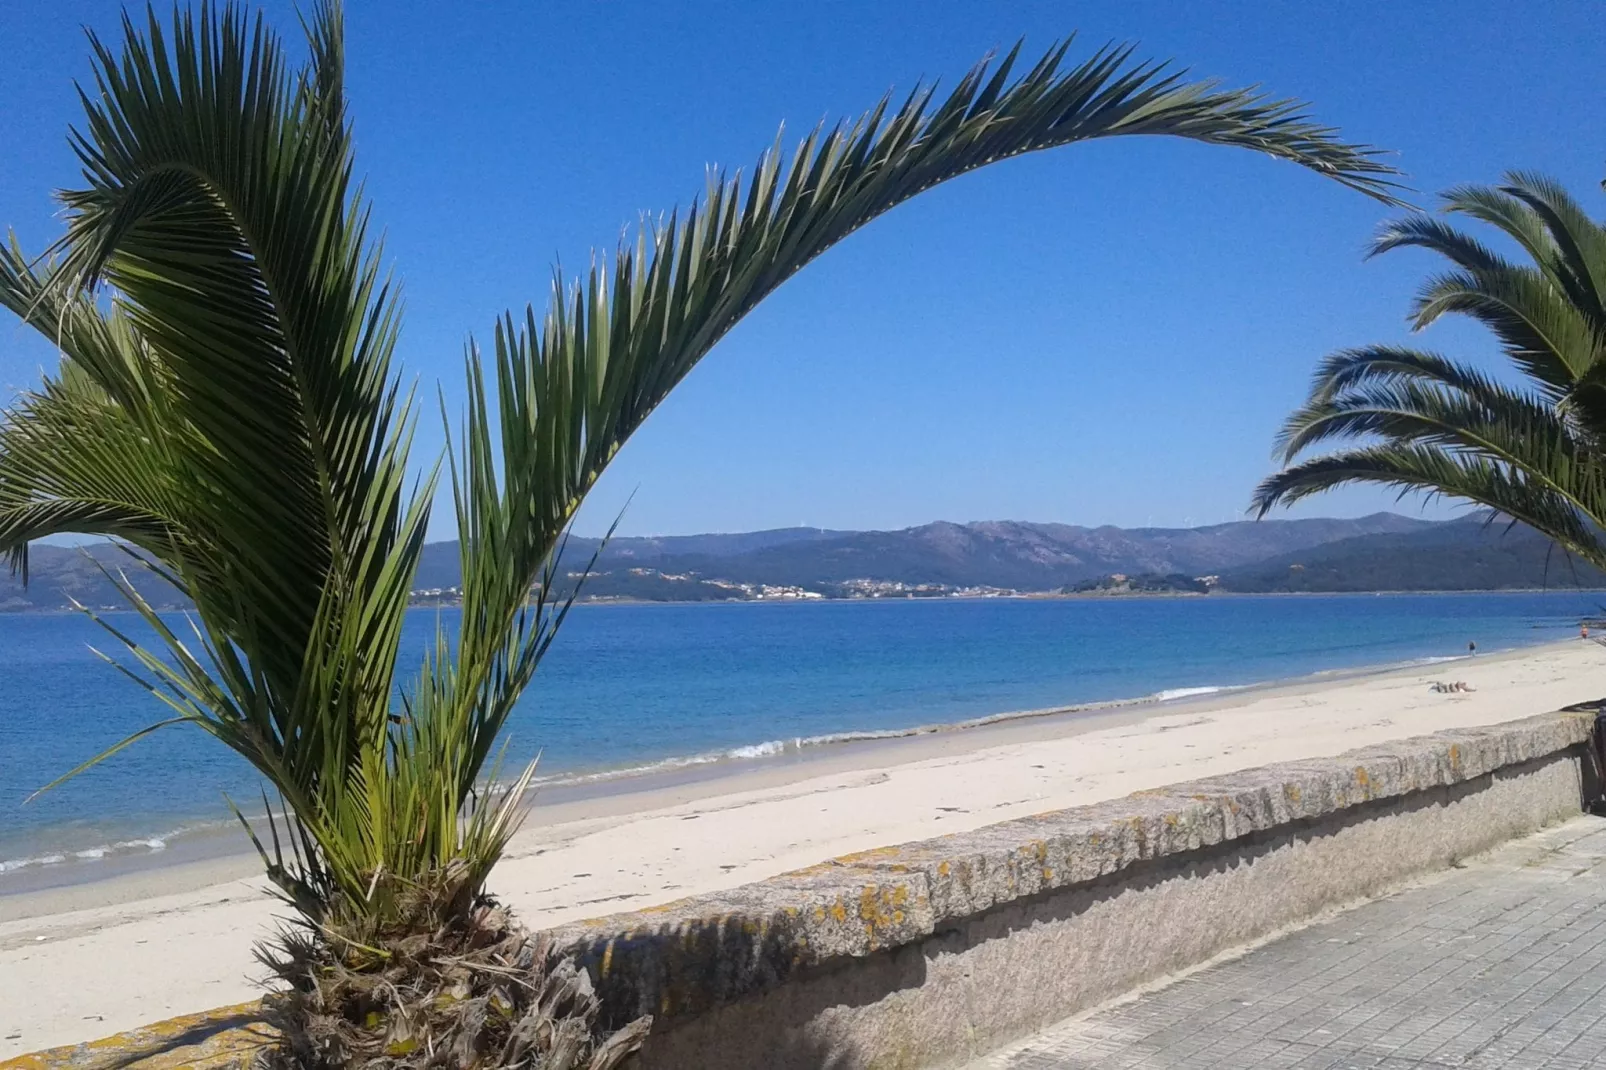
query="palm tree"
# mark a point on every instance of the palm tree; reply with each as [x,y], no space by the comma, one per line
[227,410]
[1531,450]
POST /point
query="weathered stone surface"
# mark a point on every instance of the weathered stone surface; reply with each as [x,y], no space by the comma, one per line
[996,975]
[1496,966]
[699,953]
[224,1039]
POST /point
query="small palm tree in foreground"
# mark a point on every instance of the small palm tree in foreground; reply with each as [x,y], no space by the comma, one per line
[226,408]
[1533,450]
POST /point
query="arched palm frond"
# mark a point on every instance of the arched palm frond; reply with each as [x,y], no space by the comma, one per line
[227,402]
[572,385]
[1535,452]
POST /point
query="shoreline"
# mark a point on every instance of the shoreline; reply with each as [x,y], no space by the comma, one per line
[205,851]
[187,931]
[1017,596]
[1040,596]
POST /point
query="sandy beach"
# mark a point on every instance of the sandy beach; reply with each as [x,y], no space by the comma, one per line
[89,959]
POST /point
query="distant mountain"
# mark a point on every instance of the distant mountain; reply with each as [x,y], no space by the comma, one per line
[1460,555]
[60,574]
[439,567]
[1383,551]
[1022,556]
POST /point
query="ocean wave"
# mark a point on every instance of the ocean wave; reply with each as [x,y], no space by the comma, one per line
[865,736]
[9,864]
[758,750]
[145,844]
[779,747]
[646,768]
[1185,692]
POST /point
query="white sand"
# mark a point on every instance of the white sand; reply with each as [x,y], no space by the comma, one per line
[83,962]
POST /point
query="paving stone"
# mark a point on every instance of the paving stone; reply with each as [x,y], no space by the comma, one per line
[1501,963]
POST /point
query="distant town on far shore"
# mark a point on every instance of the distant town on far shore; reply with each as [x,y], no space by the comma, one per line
[1380,552]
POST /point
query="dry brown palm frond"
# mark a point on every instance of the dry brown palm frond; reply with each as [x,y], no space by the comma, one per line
[480,992]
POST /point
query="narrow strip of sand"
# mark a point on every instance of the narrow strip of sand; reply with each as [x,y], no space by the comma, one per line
[81,962]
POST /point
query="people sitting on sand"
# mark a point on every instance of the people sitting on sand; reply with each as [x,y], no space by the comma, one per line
[1454,686]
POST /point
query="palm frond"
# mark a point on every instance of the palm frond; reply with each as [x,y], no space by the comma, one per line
[227,404]
[1550,226]
[231,408]
[570,387]
[219,209]
[1543,334]
[1468,477]
[1535,452]
[1409,394]
[1423,231]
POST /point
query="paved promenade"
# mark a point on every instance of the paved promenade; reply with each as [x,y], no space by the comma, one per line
[1501,963]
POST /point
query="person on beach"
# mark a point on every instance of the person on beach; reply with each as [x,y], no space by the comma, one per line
[1583,631]
[1472,649]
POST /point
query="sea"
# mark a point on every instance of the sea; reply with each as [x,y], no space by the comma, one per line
[632,689]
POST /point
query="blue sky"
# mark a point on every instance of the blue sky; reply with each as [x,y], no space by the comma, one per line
[1107,333]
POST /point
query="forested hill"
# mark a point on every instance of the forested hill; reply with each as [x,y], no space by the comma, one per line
[1382,552]
[1458,556]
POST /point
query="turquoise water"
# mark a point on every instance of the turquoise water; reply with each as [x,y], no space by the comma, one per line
[644,685]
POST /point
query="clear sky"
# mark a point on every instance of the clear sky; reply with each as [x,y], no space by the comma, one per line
[1106,333]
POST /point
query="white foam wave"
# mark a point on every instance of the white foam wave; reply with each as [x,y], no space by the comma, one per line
[1172,693]
[865,736]
[148,844]
[777,747]
[661,766]
[9,864]
[758,750]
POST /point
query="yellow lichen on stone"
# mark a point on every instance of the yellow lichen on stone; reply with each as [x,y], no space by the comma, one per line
[222,1039]
[661,908]
[881,908]
[875,854]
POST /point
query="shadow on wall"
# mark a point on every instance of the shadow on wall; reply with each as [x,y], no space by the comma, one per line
[807,1018]
[1594,770]
[960,990]
[813,1029]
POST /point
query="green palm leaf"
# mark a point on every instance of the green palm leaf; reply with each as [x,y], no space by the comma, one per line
[573,385]
[1422,422]
[227,404]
